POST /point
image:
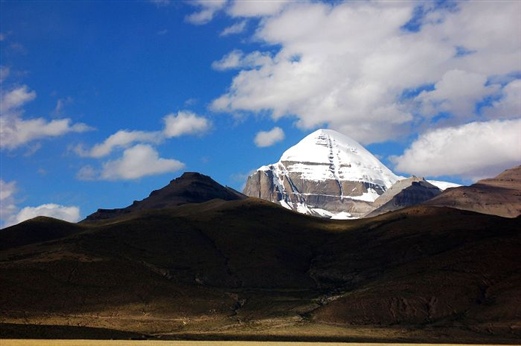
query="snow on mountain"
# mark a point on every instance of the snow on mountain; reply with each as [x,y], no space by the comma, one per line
[326,174]
[443,185]
[327,154]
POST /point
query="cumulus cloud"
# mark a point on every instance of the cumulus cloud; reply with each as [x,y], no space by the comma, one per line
[268,138]
[16,131]
[67,213]
[375,69]
[185,123]
[15,98]
[255,8]
[120,139]
[140,158]
[474,151]
[10,214]
[457,92]
[87,173]
[138,161]
[207,10]
[236,59]
[509,103]
[234,29]
[175,125]
[7,202]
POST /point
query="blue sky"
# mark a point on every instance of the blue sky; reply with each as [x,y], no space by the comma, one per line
[105,101]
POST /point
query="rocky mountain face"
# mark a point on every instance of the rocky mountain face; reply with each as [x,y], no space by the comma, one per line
[191,187]
[326,174]
[496,196]
[404,193]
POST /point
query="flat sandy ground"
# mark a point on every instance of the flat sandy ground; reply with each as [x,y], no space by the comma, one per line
[194,343]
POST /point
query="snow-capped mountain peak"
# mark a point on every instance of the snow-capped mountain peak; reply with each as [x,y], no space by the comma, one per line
[327,154]
[325,174]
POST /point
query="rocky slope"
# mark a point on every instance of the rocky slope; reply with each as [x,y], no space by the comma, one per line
[404,193]
[496,196]
[325,174]
[191,187]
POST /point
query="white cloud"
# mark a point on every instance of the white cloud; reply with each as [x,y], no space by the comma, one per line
[354,67]
[10,214]
[475,150]
[268,138]
[15,98]
[509,105]
[87,173]
[138,161]
[255,8]
[7,202]
[237,59]
[236,28]
[61,103]
[7,190]
[457,92]
[139,157]
[15,132]
[120,139]
[231,60]
[4,73]
[67,213]
[207,10]
[185,123]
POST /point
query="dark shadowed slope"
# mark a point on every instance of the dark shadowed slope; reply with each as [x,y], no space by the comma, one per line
[36,230]
[222,266]
[191,187]
[497,196]
[435,267]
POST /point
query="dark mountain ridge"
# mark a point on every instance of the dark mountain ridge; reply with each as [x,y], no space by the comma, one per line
[191,187]
[243,267]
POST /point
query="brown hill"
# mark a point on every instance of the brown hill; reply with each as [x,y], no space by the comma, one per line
[251,269]
[496,196]
[191,187]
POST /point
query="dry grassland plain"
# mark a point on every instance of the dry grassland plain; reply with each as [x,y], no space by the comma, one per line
[195,343]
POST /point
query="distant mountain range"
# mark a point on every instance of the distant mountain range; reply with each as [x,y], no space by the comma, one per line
[197,260]
[328,174]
